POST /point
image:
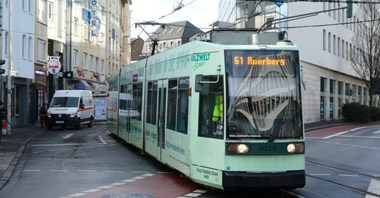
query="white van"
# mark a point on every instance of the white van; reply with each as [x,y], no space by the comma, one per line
[70,108]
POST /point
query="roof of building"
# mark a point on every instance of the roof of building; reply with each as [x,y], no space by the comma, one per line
[176,30]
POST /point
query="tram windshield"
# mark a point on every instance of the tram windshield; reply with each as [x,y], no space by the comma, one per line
[264,100]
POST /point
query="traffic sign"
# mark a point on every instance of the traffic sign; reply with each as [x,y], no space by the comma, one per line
[278,2]
[54,66]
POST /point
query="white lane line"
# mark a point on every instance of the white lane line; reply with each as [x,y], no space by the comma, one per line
[320,174]
[129,180]
[374,187]
[117,184]
[67,136]
[105,187]
[59,170]
[376,132]
[347,175]
[124,182]
[78,195]
[344,132]
[86,170]
[91,190]
[363,137]
[111,171]
[101,139]
[26,170]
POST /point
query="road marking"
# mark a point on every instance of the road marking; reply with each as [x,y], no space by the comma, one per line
[86,170]
[347,175]
[374,187]
[67,136]
[343,132]
[376,132]
[31,170]
[59,170]
[320,174]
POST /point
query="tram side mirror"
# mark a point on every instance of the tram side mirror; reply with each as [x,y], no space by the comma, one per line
[198,83]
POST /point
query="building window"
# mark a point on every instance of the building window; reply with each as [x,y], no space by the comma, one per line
[76,26]
[343,49]
[329,43]
[24,46]
[324,39]
[75,58]
[334,44]
[6,43]
[41,50]
[42,11]
[50,11]
[30,48]
[332,93]
[85,57]
[323,96]
[338,47]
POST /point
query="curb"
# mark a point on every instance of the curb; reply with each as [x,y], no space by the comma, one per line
[7,174]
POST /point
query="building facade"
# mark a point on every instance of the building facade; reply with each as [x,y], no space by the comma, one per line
[18,51]
[168,36]
[86,36]
[328,76]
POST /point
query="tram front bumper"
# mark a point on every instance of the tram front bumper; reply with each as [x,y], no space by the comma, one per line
[291,179]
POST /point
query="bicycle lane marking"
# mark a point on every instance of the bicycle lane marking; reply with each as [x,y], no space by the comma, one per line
[160,185]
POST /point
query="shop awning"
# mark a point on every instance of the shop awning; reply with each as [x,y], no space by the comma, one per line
[81,85]
[98,87]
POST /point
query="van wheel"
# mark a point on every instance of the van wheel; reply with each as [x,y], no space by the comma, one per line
[90,124]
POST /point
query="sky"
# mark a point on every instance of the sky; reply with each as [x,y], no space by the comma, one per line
[198,12]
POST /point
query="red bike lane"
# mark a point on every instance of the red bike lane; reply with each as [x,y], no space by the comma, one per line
[337,130]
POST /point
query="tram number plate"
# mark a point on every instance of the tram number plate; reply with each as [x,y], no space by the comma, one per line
[59,122]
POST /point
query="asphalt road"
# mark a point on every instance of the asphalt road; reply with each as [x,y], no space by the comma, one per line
[91,163]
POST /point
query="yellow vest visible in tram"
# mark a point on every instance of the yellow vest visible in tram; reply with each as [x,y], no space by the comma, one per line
[218,108]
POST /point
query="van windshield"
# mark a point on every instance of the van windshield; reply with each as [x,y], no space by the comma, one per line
[64,102]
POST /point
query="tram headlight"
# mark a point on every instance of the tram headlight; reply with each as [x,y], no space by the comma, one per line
[238,148]
[295,148]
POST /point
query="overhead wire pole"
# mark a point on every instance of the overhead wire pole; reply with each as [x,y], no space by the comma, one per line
[154,40]
[9,77]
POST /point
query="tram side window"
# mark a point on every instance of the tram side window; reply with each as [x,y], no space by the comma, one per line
[151,109]
[172,107]
[178,99]
[211,108]
[137,99]
[123,103]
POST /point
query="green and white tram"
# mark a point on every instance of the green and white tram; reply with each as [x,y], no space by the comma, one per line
[227,116]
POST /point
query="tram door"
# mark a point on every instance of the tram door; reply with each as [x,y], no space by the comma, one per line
[162,87]
[129,114]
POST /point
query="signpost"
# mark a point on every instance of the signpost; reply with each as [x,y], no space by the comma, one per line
[54,66]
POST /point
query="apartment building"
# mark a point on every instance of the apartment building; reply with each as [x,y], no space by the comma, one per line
[18,36]
[328,76]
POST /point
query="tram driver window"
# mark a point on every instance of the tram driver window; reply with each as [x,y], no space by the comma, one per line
[211,108]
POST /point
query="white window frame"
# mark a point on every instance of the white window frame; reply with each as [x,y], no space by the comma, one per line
[41,50]
[42,14]
[30,48]
[24,46]
[50,11]
[75,58]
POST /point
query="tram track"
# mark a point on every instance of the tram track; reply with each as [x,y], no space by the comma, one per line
[347,172]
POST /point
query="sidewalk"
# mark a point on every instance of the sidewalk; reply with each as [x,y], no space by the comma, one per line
[13,146]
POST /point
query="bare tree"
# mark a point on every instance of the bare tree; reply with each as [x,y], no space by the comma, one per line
[365,52]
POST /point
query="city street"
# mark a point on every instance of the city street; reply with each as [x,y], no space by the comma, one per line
[341,162]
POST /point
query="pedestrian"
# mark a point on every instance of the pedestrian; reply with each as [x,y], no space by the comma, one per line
[43,115]
[3,118]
